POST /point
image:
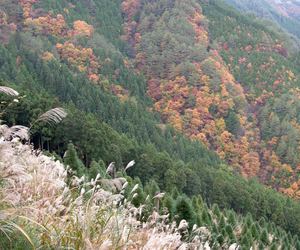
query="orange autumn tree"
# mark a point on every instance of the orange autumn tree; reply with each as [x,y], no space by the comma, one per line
[3,18]
[81,28]
[47,25]
[47,56]
[83,59]
[27,7]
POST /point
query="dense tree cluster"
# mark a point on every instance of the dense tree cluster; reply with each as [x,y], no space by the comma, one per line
[6,28]
[81,28]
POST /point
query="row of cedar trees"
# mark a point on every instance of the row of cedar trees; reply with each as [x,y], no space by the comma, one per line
[215,107]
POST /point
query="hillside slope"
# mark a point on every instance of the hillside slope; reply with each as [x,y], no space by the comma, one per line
[260,60]
[216,75]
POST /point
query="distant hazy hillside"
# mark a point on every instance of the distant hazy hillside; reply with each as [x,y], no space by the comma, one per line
[287,8]
[284,13]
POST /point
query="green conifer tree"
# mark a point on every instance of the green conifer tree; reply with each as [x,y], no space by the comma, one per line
[246,240]
[274,246]
[261,246]
[97,168]
[71,159]
[222,223]
[151,188]
[231,219]
[169,203]
[216,210]
[220,239]
[215,229]
[297,245]
[175,193]
[197,205]
[264,237]
[248,220]
[206,218]
[198,219]
[254,231]
[184,210]
[230,233]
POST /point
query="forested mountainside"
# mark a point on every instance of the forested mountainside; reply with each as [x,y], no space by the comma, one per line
[195,92]
[285,13]
[223,79]
[287,8]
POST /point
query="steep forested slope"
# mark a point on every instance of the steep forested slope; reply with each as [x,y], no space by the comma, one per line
[260,61]
[125,69]
[211,73]
[38,68]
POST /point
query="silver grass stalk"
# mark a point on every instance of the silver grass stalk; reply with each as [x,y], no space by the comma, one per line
[111,169]
[8,91]
[19,131]
[129,165]
[134,188]
[53,116]
[159,196]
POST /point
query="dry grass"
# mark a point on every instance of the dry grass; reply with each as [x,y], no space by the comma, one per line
[84,216]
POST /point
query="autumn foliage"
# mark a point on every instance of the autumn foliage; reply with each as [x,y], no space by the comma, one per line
[120,92]
[199,95]
[47,25]
[188,107]
[82,58]
[27,6]
[131,8]
[81,28]
[53,25]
